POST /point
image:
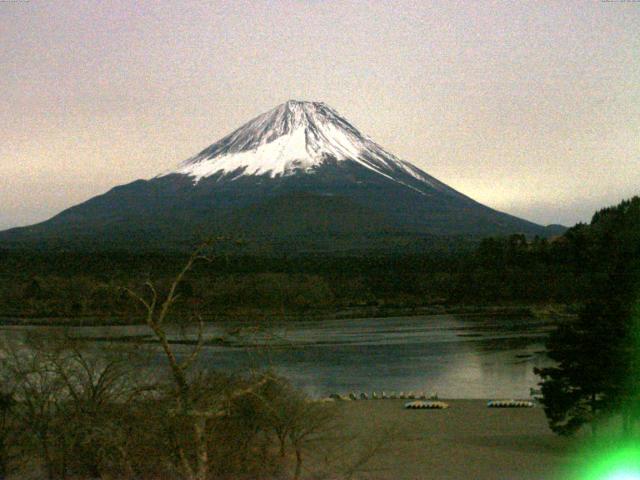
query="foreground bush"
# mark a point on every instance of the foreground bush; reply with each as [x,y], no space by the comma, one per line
[70,411]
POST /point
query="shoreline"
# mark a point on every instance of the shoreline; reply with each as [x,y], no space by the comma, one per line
[542,311]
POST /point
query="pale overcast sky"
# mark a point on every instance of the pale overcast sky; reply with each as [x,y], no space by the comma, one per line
[531,107]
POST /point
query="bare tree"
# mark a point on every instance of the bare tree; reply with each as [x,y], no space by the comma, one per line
[40,396]
[310,420]
[190,403]
[66,401]
[294,418]
[156,316]
[99,390]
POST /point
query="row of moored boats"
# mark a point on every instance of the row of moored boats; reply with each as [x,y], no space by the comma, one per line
[421,401]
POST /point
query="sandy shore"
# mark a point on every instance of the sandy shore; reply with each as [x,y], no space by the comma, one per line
[466,441]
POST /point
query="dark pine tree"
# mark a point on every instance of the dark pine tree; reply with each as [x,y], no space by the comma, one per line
[596,355]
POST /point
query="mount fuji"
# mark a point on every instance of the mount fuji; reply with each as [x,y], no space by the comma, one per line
[299,174]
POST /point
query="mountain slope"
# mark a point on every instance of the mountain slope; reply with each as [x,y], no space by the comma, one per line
[299,170]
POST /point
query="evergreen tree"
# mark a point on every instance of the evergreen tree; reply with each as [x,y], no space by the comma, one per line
[596,356]
[591,368]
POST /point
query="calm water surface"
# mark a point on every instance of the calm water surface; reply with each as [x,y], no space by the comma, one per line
[453,356]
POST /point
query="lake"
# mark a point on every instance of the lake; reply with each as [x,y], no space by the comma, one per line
[455,356]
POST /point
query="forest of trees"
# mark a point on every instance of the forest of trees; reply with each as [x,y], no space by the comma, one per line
[511,270]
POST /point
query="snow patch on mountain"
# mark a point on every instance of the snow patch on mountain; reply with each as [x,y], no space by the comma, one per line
[278,157]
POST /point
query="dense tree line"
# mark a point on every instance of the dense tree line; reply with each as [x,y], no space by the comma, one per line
[513,269]
[597,371]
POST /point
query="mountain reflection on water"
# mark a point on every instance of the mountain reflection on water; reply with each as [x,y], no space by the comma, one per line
[454,356]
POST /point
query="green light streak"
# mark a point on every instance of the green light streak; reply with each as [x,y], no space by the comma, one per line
[624,475]
[618,459]
[621,463]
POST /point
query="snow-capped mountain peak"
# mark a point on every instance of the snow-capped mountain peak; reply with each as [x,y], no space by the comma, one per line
[297,178]
[294,137]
